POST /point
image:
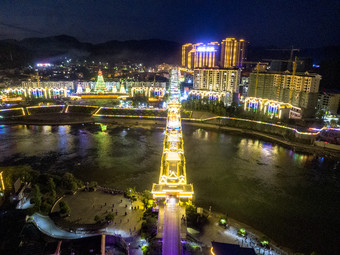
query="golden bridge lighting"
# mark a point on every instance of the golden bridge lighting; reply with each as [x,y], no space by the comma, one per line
[172,180]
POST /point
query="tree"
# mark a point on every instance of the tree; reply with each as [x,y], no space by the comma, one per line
[93,186]
[147,196]
[110,217]
[97,218]
[51,185]
[333,123]
[64,208]
[37,197]
[130,193]
[69,182]
[149,228]
[320,114]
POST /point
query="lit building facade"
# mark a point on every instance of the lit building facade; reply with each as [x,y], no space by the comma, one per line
[200,55]
[42,89]
[47,84]
[186,48]
[216,84]
[299,90]
[329,102]
[230,53]
[155,90]
[233,52]
[218,80]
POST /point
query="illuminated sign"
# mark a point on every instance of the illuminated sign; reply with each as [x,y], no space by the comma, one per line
[44,64]
[205,48]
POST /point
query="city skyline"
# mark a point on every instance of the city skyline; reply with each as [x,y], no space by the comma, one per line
[282,23]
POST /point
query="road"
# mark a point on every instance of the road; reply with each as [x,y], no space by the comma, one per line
[171,229]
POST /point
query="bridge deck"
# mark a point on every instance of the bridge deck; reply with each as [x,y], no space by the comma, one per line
[171,230]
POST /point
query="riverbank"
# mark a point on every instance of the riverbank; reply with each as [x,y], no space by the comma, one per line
[213,231]
[140,122]
[85,206]
[296,147]
[128,219]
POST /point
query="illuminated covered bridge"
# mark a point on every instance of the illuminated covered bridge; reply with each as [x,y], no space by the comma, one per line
[173,180]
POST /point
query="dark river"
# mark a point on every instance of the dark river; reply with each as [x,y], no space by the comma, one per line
[293,198]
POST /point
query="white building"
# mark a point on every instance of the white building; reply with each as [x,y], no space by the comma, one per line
[217,80]
[329,102]
[47,84]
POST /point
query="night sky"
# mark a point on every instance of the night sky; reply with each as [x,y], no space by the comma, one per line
[279,23]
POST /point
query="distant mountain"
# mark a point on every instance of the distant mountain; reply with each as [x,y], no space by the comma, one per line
[154,51]
[147,51]
[15,53]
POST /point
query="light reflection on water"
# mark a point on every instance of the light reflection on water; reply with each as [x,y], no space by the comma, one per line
[260,183]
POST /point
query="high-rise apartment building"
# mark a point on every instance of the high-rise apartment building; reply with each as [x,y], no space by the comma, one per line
[300,90]
[230,53]
[217,80]
[186,48]
[216,84]
[207,55]
[233,52]
[329,102]
[200,55]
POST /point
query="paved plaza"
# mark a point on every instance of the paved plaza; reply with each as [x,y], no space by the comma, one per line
[86,205]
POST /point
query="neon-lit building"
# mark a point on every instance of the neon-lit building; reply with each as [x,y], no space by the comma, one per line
[155,90]
[186,48]
[270,108]
[47,84]
[299,90]
[216,79]
[230,53]
[216,84]
[224,97]
[233,52]
[200,55]
[39,92]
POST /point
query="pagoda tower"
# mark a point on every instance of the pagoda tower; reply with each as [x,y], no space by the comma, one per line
[100,85]
[114,89]
[122,88]
[88,90]
[79,89]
